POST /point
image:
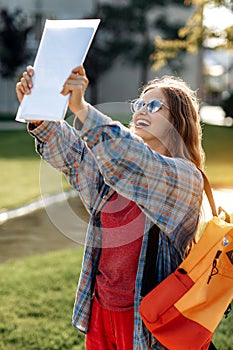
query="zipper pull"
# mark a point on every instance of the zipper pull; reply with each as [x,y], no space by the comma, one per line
[214,270]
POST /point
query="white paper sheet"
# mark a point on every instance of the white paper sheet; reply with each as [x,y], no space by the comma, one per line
[64,46]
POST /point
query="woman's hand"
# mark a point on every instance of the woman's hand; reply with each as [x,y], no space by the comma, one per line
[76,85]
[24,86]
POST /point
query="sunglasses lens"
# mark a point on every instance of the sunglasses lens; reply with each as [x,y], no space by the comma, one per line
[153,106]
[136,105]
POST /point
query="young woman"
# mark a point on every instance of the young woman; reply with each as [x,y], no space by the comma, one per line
[139,185]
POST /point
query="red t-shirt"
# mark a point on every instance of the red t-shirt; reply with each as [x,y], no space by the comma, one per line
[123,227]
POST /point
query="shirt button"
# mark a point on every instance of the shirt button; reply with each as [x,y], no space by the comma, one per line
[85,138]
[98,157]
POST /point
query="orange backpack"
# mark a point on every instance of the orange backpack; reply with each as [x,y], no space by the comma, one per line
[184,310]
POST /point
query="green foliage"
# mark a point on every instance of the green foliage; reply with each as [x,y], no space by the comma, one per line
[13,36]
[192,36]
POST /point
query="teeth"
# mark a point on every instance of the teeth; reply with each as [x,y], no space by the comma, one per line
[142,122]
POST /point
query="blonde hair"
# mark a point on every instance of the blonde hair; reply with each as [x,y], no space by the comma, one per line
[182,101]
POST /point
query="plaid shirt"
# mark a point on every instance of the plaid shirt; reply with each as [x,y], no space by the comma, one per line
[103,157]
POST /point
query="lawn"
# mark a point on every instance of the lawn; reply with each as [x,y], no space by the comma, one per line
[20,170]
[218,146]
[37,295]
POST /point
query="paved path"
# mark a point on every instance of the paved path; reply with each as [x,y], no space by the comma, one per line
[40,231]
[40,203]
[35,232]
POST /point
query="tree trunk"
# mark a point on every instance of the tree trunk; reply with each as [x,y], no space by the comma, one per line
[94,93]
[144,73]
[145,59]
[200,69]
[200,73]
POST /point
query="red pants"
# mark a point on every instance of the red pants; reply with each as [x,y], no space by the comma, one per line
[110,330]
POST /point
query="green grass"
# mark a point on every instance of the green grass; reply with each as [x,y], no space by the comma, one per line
[218,145]
[20,170]
[223,336]
[37,295]
[20,165]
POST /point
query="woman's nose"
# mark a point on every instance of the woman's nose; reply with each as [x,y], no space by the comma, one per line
[143,110]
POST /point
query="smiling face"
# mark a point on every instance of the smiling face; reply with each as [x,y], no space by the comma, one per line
[153,128]
[173,130]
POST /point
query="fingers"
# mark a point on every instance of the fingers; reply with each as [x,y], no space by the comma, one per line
[75,82]
[30,71]
[24,86]
[76,85]
[28,77]
[79,70]
[73,86]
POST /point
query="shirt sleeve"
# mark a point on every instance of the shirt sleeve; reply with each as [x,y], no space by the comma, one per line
[167,189]
[60,145]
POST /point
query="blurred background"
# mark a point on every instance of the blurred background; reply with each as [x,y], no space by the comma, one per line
[136,41]
[127,50]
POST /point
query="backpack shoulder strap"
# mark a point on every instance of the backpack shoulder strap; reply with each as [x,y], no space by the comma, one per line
[210,197]
[149,279]
[209,194]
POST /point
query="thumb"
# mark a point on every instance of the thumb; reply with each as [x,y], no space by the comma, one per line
[65,90]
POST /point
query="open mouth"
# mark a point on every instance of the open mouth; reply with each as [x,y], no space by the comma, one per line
[142,123]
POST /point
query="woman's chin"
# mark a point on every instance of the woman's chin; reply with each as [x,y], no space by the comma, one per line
[141,132]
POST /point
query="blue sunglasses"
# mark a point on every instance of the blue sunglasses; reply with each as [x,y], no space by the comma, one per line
[152,106]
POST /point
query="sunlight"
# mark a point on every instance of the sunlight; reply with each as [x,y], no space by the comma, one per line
[218,18]
[223,198]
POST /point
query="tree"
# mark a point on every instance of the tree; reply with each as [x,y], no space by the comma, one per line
[192,37]
[13,36]
[126,32]
[100,57]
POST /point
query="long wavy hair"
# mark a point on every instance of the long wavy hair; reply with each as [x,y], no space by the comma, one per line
[186,136]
